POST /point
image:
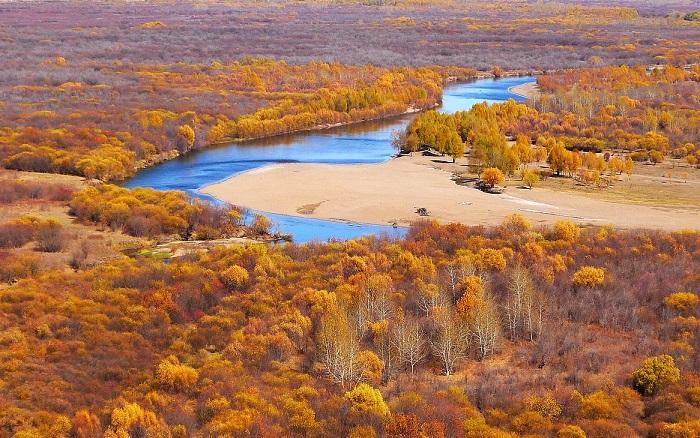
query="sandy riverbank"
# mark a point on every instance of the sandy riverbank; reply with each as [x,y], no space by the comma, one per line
[529,91]
[392,191]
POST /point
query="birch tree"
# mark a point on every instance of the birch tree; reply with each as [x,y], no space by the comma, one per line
[519,286]
[451,340]
[485,325]
[429,297]
[377,302]
[524,307]
[455,272]
[338,347]
[410,342]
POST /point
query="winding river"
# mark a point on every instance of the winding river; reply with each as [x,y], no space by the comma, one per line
[367,142]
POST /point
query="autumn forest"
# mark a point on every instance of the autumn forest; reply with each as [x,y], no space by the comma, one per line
[138,312]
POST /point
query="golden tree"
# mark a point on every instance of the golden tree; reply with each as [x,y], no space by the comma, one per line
[492,176]
[588,276]
[655,373]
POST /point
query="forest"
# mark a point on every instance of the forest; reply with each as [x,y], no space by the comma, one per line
[107,127]
[453,331]
[632,114]
[518,34]
[135,84]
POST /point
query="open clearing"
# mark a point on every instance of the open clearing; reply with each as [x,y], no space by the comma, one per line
[391,192]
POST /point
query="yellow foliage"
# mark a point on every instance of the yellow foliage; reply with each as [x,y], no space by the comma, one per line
[186,132]
[179,431]
[362,432]
[153,25]
[232,422]
[86,424]
[366,400]
[476,427]
[571,431]
[129,417]
[146,212]
[515,224]
[566,230]
[529,421]
[682,301]
[300,416]
[234,276]
[589,276]
[153,118]
[261,224]
[655,373]
[107,163]
[70,85]
[693,394]
[176,376]
[545,405]
[530,177]
[216,406]
[472,290]
[685,429]
[492,259]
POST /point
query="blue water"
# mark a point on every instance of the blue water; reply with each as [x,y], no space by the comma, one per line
[368,142]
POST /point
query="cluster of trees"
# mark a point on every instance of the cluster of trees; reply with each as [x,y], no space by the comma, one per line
[48,234]
[16,266]
[481,132]
[165,110]
[643,115]
[588,168]
[22,242]
[650,112]
[433,130]
[451,331]
[386,93]
[151,213]
[109,103]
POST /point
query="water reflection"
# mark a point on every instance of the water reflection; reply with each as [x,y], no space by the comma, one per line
[367,142]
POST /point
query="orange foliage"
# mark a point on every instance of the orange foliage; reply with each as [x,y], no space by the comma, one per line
[150,213]
[214,342]
[271,97]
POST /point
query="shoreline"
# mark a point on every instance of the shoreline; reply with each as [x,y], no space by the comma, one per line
[409,110]
[174,154]
[528,91]
[391,192]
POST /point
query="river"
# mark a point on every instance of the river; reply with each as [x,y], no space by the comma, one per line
[368,142]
